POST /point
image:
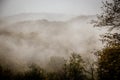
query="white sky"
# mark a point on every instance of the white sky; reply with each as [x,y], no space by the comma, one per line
[76,7]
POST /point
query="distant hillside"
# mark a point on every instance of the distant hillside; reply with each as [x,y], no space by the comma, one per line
[44,17]
[36,16]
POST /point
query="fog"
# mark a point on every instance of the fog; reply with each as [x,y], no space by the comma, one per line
[34,40]
[73,7]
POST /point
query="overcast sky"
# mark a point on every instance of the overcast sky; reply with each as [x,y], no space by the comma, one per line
[76,7]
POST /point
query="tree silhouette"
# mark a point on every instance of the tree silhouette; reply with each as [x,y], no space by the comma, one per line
[109,57]
[74,68]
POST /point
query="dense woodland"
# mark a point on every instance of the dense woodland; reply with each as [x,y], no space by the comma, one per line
[108,58]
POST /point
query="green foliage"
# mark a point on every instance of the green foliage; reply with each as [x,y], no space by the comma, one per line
[35,73]
[55,76]
[109,57]
[109,63]
[74,68]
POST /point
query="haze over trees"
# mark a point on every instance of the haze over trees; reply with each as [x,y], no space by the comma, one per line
[74,67]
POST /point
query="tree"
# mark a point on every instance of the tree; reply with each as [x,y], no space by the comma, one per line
[5,73]
[110,16]
[36,73]
[109,56]
[74,68]
[109,63]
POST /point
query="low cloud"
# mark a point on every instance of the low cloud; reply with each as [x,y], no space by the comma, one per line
[36,41]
